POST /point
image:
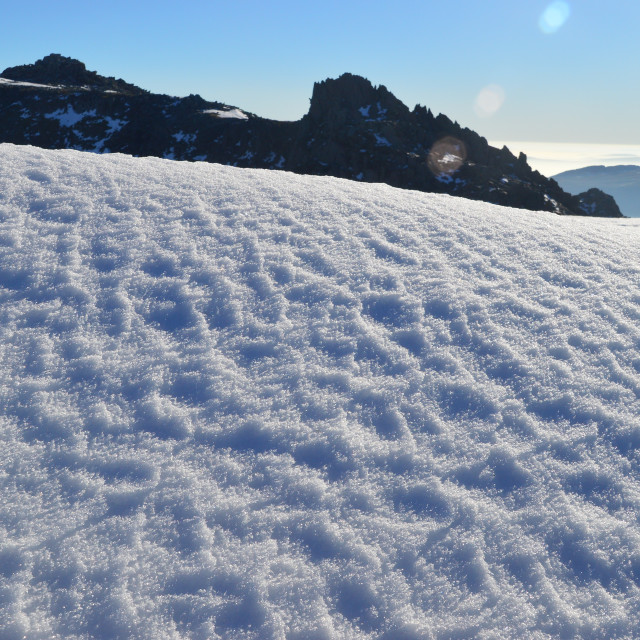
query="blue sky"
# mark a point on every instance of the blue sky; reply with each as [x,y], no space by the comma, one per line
[499,66]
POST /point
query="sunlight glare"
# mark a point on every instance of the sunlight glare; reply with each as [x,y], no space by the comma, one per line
[446,156]
[554,16]
[489,100]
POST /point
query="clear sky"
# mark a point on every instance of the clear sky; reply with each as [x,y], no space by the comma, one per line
[536,70]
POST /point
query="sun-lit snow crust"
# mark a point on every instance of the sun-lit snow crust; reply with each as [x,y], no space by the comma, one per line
[248,404]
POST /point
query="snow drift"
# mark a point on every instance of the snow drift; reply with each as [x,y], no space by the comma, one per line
[247,404]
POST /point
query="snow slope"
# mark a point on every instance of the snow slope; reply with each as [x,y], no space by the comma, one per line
[248,404]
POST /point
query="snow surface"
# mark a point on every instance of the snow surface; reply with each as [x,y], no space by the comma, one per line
[381,141]
[248,404]
[450,158]
[114,124]
[70,117]
[228,113]
[16,83]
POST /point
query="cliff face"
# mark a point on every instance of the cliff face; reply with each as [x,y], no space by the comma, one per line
[358,131]
[352,130]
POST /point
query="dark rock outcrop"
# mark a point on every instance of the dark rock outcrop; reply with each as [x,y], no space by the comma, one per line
[60,70]
[353,130]
[595,200]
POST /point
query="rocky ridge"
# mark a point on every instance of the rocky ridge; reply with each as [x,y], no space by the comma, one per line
[352,130]
[63,71]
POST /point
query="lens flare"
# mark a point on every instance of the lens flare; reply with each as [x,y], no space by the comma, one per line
[489,100]
[554,16]
[446,156]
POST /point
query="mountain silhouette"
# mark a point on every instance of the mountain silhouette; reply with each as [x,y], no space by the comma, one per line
[621,181]
[353,130]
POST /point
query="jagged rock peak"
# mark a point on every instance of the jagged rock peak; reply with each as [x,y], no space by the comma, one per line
[61,70]
[353,93]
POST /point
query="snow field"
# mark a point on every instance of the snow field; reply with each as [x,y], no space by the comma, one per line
[248,404]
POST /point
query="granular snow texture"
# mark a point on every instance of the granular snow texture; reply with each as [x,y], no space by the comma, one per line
[248,404]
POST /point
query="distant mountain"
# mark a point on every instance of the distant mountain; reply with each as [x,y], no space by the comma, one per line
[621,181]
[353,130]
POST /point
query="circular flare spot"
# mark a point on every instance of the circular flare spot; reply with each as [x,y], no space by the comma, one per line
[554,16]
[446,156]
[489,100]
